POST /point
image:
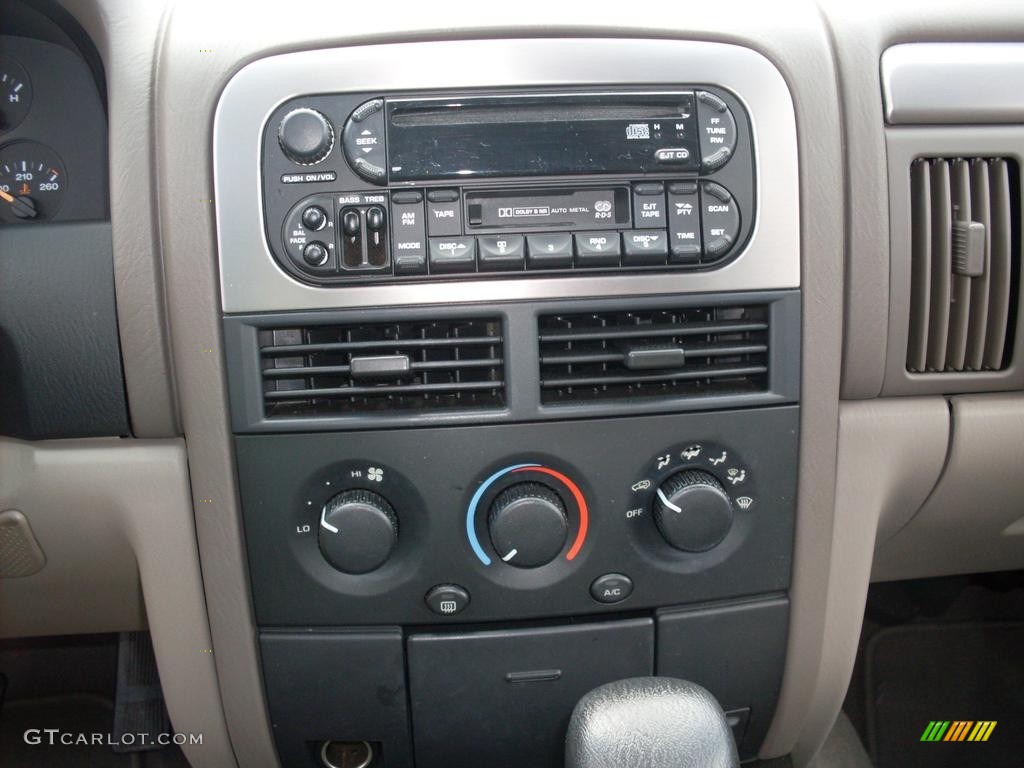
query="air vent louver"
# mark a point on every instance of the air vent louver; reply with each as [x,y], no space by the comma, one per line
[963,279]
[668,353]
[362,368]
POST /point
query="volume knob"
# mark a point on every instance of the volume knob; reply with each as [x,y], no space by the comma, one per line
[306,136]
[693,511]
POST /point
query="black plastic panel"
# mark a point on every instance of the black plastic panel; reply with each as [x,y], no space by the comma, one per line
[522,369]
[59,348]
[338,686]
[736,651]
[503,699]
[430,477]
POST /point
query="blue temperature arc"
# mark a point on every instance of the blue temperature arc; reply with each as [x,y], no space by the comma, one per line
[474,542]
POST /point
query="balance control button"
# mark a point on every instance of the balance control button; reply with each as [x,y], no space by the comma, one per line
[447,599]
[611,588]
[673,156]
[452,254]
[693,511]
[502,252]
[717,129]
[408,233]
[306,136]
[315,254]
[314,218]
[363,141]
[528,525]
[358,531]
[598,249]
[644,247]
[444,213]
[720,219]
[311,251]
[683,223]
[649,206]
[549,251]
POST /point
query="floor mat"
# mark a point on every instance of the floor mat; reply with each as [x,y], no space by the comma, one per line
[937,673]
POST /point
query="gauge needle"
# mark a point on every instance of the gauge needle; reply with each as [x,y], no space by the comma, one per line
[23,207]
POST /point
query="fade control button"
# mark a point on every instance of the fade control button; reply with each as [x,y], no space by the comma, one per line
[447,599]
[611,588]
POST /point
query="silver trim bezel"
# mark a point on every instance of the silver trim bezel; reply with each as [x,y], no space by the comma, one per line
[251,280]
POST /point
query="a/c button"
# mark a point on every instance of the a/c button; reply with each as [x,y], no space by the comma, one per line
[611,588]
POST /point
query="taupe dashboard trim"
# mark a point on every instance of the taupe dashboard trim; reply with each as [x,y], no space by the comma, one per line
[251,281]
[953,83]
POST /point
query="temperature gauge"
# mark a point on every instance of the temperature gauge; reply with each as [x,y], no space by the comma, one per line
[15,94]
[32,182]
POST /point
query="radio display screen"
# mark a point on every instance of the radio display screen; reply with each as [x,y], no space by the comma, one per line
[539,135]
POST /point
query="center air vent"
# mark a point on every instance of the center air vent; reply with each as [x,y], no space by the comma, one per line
[669,353]
[963,279]
[362,368]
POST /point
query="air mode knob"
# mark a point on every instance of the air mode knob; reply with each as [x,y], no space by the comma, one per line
[358,531]
[693,511]
[528,525]
[306,136]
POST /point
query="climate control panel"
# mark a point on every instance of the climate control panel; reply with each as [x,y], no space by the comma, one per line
[488,523]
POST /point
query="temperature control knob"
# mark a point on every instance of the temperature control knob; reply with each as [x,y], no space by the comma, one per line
[528,525]
[306,136]
[693,511]
[358,531]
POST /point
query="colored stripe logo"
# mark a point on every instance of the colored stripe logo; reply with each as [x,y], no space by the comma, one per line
[958,730]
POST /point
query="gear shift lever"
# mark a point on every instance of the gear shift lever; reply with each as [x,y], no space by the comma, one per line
[649,722]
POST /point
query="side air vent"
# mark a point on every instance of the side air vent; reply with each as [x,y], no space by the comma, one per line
[665,353]
[963,277]
[362,368]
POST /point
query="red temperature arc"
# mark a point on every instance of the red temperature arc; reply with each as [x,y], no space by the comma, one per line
[581,502]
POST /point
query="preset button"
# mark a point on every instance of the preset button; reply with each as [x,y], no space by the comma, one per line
[502,252]
[597,249]
[452,254]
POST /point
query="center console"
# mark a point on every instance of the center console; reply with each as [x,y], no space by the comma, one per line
[513,354]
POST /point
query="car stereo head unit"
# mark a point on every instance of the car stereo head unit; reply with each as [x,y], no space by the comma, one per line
[368,188]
